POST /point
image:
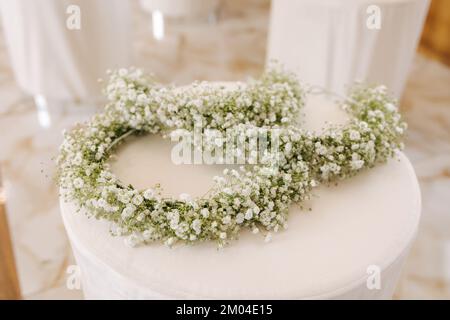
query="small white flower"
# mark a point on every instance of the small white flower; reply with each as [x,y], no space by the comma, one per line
[249,214]
[170,241]
[131,241]
[356,164]
[149,194]
[112,209]
[288,148]
[197,226]
[174,218]
[118,231]
[364,126]
[227,191]
[142,99]
[223,235]
[268,237]
[78,159]
[204,212]
[128,211]
[134,239]
[354,135]
[321,149]
[390,107]
[101,203]
[124,196]
[137,199]
[78,183]
[226,219]
[147,234]
[239,218]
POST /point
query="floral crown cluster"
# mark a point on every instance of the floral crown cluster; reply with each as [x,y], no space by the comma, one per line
[255,197]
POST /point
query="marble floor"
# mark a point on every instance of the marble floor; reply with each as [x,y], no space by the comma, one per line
[29,141]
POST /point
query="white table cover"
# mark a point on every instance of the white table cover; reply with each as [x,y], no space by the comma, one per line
[369,220]
[328,43]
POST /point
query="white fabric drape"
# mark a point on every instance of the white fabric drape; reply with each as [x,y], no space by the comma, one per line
[328,43]
[61,63]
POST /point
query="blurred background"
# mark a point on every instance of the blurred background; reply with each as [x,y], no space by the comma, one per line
[53,52]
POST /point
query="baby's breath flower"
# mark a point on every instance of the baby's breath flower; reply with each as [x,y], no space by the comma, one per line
[149,194]
[137,199]
[239,218]
[197,226]
[128,211]
[78,183]
[249,214]
[354,135]
[204,212]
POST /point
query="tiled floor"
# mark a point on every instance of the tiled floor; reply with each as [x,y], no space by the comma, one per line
[216,52]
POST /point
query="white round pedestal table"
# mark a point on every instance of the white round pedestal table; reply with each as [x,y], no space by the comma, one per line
[351,245]
[333,43]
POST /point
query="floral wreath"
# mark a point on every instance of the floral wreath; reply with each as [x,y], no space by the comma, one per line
[253,197]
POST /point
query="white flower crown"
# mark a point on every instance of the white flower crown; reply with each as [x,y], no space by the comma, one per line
[255,197]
